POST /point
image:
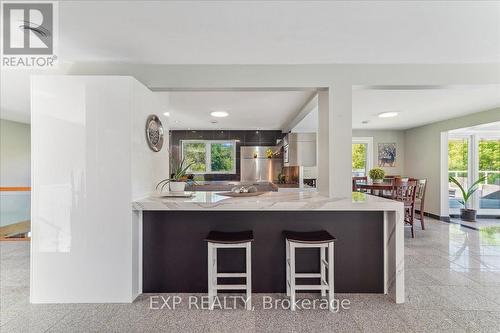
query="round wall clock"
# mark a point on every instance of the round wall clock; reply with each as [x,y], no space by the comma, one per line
[154,133]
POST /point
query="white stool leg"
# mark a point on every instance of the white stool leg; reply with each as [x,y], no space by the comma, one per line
[287,263]
[249,275]
[292,276]
[214,276]
[210,264]
[331,287]
[322,258]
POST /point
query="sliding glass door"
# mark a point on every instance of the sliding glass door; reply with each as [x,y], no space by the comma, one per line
[458,167]
[471,157]
[489,168]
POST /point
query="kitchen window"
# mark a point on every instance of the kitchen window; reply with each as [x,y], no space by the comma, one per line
[210,156]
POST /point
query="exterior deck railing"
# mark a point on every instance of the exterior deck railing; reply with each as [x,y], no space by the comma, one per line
[15,212]
[485,173]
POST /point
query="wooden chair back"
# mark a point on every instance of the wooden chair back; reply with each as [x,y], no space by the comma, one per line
[421,185]
[404,191]
[420,192]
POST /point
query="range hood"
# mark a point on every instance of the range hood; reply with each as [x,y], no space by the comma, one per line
[299,149]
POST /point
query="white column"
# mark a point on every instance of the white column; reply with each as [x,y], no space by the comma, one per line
[334,141]
[323,141]
[444,184]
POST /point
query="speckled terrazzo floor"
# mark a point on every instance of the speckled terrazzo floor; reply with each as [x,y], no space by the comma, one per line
[452,284]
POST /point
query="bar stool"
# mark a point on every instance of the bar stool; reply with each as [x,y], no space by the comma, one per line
[219,240]
[315,239]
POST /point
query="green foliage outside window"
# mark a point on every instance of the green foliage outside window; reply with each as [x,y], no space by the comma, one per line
[222,157]
[358,156]
[195,154]
[457,154]
[489,158]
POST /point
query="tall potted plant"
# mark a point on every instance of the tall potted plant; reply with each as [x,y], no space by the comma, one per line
[178,177]
[467,214]
[376,175]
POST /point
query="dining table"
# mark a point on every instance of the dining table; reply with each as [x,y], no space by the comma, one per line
[375,188]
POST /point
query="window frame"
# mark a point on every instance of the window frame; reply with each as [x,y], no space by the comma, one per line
[208,156]
[368,140]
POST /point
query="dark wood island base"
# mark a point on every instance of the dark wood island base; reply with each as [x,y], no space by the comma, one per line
[175,253]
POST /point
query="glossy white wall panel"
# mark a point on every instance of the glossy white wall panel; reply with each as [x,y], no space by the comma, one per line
[148,167]
[83,130]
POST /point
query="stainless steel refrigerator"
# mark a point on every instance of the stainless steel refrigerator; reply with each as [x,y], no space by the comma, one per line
[257,167]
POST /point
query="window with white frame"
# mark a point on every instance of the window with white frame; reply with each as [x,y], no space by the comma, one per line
[210,156]
[362,155]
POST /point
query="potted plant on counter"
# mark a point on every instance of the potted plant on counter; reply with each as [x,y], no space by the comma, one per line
[467,214]
[376,175]
[178,177]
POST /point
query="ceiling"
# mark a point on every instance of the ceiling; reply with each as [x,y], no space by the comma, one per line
[269,32]
[275,109]
[280,32]
[416,107]
[420,106]
[488,129]
[260,110]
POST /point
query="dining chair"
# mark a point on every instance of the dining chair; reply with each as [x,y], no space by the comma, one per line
[405,191]
[392,180]
[359,179]
[420,198]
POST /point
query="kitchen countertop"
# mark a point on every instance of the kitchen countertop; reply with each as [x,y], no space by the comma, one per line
[286,202]
[268,201]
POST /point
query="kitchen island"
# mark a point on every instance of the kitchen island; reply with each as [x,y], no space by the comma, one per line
[369,251]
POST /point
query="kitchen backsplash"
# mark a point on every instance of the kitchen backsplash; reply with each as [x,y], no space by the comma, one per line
[246,138]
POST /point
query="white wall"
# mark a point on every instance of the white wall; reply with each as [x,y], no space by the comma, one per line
[14,154]
[423,152]
[387,136]
[90,160]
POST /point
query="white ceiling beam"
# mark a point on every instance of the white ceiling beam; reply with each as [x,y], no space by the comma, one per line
[310,105]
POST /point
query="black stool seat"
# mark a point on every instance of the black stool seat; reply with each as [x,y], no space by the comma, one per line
[230,237]
[312,237]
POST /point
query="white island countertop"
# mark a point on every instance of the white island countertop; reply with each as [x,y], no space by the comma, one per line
[268,201]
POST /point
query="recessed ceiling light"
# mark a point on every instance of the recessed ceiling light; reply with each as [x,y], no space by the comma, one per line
[219,114]
[166,114]
[389,114]
[364,122]
[213,121]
